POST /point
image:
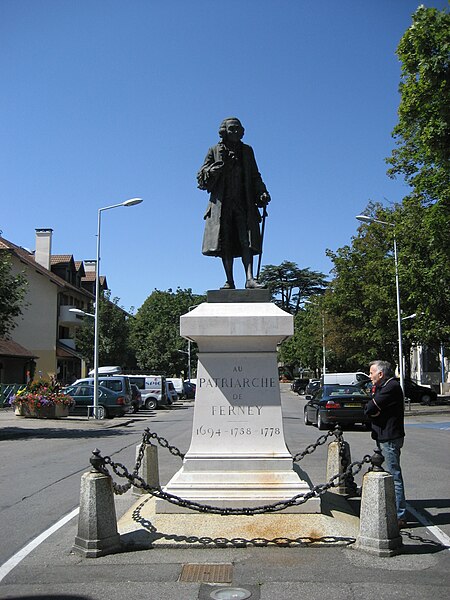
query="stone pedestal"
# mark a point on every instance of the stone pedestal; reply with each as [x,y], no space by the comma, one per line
[379,533]
[97,523]
[238,456]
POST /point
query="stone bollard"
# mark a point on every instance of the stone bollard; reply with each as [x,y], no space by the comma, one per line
[149,470]
[378,531]
[97,523]
[335,466]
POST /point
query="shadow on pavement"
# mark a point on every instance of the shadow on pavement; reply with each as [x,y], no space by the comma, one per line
[440,518]
[424,545]
[50,596]
[10,433]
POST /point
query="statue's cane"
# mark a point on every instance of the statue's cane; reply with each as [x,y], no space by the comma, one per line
[263,226]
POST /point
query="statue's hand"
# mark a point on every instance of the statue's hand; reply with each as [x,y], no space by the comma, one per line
[264,198]
[215,167]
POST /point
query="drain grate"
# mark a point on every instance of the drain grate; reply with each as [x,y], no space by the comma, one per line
[209,573]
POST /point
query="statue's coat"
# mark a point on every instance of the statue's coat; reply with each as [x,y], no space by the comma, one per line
[214,183]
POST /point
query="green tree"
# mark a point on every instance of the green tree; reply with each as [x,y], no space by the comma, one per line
[424,256]
[422,133]
[360,307]
[361,300]
[114,343]
[157,342]
[12,293]
[290,285]
[304,349]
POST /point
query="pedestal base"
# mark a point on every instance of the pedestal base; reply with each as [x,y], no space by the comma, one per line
[238,456]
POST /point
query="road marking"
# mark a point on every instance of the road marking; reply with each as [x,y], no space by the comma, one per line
[438,533]
[442,426]
[9,565]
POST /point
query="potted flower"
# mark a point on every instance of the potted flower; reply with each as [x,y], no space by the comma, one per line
[42,399]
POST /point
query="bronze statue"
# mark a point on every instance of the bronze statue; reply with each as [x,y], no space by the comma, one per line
[236,189]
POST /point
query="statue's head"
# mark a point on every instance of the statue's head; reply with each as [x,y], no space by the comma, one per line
[231,129]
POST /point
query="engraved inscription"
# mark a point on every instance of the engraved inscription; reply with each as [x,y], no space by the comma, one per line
[211,432]
[228,410]
[236,382]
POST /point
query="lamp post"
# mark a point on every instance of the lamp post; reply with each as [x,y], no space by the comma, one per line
[366,219]
[131,202]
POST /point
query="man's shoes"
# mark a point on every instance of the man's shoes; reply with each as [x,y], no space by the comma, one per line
[228,286]
[402,524]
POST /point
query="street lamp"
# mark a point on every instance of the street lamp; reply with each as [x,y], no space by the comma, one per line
[130,202]
[366,219]
[80,312]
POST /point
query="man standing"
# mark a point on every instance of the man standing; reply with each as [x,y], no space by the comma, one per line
[232,218]
[386,411]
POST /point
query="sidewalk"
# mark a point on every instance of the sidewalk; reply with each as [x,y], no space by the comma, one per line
[333,571]
[12,426]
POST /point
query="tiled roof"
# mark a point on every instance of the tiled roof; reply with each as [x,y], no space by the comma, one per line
[13,349]
[56,259]
[28,258]
[90,276]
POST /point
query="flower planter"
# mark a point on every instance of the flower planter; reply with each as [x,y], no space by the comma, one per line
[54,411]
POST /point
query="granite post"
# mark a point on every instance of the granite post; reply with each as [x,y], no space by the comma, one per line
[149,469]
[97,523]
[379,533]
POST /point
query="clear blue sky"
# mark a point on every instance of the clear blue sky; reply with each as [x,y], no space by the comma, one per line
[104,100]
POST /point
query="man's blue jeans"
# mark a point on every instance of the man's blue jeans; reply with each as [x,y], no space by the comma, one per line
[391,452]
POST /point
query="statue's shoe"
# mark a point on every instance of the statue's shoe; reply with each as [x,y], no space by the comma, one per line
[252,284]
[228,286]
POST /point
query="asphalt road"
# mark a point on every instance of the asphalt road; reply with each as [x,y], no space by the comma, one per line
[40,475]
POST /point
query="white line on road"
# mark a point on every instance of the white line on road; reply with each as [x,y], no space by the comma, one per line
[9,565]
[438,533]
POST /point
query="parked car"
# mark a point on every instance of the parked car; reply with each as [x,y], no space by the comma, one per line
[299,386]
[189,390]
[419,393]
[136,397]
[116,383]
[413,391]
[153,390]
[332,404]
[177,384]
[312,386]
[110,403]
[172,395]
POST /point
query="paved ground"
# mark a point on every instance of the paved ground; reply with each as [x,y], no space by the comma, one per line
[335,570]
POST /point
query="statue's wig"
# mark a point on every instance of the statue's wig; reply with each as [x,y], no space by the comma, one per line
[223,127]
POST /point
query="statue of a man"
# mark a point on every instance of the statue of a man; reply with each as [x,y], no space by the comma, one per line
[236,189]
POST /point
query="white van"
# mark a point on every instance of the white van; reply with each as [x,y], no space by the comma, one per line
[153,390]
[344,378]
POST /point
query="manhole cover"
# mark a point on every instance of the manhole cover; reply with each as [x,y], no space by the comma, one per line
[209,573]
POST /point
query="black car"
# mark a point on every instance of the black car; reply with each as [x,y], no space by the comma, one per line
[413,391]
[136,397]
[332,404]
[312,386]
[189,390]
[299,386]
[419,393]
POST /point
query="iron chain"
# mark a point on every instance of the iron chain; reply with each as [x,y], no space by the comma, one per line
[134,479]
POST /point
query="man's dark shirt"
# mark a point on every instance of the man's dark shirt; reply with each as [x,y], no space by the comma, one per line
[388,401]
